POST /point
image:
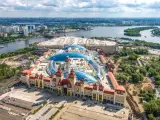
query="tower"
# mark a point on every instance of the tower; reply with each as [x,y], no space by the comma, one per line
[59,75]
[41,84]
[82,86]
[95,91]
[100,92]
[72,79]
[67,68]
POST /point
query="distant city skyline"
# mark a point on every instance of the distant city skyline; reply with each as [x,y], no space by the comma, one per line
[80,8]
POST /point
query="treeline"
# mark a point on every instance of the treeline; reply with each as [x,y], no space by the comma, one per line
[6,71]
[136,31]
[153,68]
[11,39]
[101,38]
[20,51]
[152,109]
[129,51]
[146,44]
[156,32]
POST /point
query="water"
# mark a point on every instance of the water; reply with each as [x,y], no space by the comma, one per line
[13,46]
[96,32]
[115,32]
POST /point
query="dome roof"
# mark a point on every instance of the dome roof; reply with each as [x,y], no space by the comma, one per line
[61,57]
[88,79]
[74,46]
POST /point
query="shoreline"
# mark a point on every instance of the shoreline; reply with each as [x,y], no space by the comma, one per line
[21,39]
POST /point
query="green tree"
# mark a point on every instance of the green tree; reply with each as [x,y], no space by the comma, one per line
[143,70]
[116,57]
[133,57]
[152,72]
[123,77]
[137,77]
[151,117]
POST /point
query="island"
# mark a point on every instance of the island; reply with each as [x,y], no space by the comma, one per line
[156,32]
[136,31]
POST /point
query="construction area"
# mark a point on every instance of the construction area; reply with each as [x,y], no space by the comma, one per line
[108,46]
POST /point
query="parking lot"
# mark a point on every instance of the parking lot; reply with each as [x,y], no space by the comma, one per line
[30,95]
[81,111]
[4,115]
[20,101]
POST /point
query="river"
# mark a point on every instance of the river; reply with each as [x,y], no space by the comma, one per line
[95,32]
[13,46]
[115,32]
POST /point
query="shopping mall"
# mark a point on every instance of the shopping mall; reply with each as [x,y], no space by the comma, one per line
[75,71]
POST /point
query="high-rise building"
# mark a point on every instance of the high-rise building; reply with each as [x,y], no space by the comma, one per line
[25,30]
[31,27]
[16,28]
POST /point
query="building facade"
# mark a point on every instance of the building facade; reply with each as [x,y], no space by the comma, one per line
[75,74]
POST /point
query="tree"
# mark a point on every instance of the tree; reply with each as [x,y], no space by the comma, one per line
[3,55]
[151,117]
[152,107]
[152,72]
[157,78]
[143,71]
[137,77]
[123,77]
[133,57]
[116,57]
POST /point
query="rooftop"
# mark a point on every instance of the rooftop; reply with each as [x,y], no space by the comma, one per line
[73,41]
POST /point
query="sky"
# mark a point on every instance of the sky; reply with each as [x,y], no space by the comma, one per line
[80,8]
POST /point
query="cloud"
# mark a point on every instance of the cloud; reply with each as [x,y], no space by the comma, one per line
[102,8]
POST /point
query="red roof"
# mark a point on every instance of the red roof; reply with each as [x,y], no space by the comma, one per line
[102,59]
[59,73]
[78,84]
[54,79]
[82,81]
[32,76]
[47,79]
[108,91]
[120,88]
[101,87]
[26,72]
[115,83]
[95,86]
[72,74]
[88,87]
[40,76]
[65,82]
[113,80]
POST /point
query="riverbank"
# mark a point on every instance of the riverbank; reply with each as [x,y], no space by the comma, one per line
[13,46]
[17,52]
[11,39]
[136,31]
